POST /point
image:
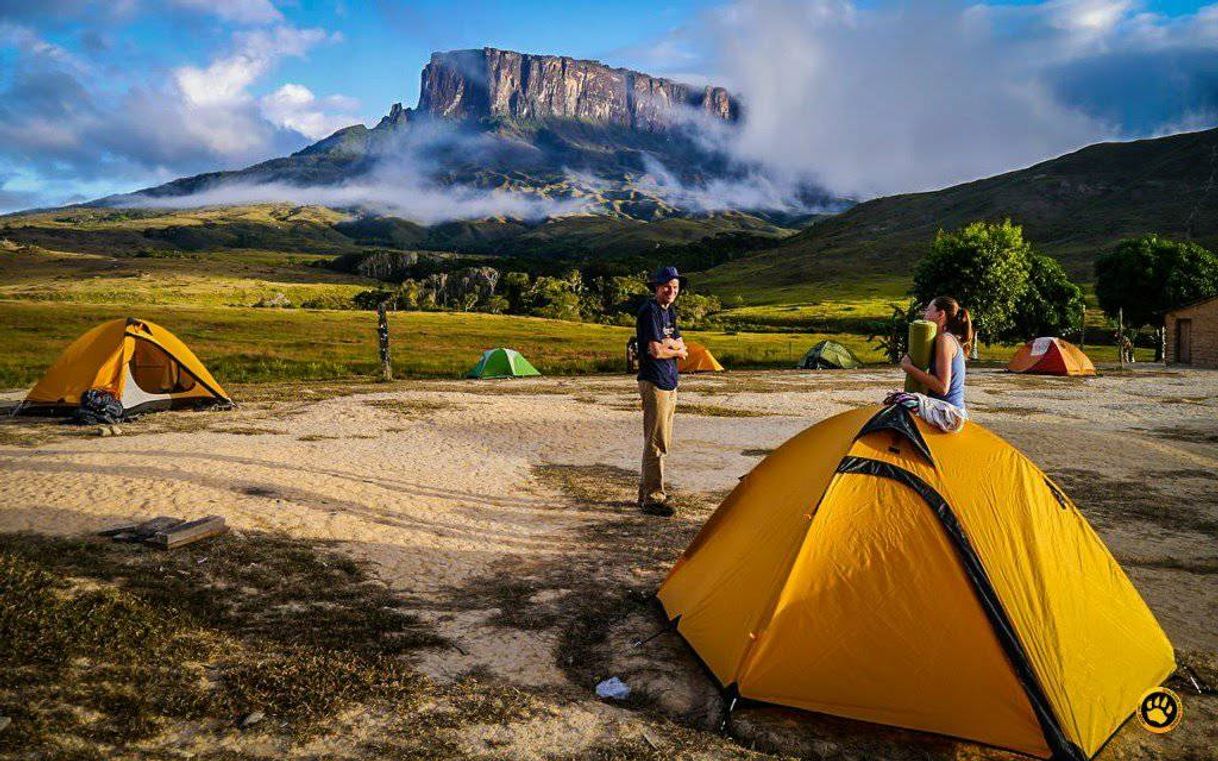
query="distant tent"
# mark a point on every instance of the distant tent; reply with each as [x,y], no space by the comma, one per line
[502,363]
[1051,356]
[700,360]
[829,355]
[141,363]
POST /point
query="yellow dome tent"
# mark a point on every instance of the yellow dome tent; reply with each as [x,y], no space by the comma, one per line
[141,363]
[877,569]
[699,360]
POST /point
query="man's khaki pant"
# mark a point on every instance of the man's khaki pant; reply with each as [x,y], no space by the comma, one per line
[659,407]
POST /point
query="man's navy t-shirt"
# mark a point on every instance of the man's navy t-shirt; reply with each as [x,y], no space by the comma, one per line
[655,324]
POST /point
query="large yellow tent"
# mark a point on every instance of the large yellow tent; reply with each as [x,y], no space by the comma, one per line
[698,360]
[141,363]
[875,568]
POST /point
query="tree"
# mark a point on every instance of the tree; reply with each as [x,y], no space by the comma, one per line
[694,308]
[984,266]
[1050,305]
[891,336]
[515,288]
[1150,275]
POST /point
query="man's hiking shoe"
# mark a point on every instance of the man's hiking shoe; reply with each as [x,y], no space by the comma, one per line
[662,509]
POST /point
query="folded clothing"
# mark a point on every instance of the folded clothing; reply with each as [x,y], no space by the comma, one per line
[945,416]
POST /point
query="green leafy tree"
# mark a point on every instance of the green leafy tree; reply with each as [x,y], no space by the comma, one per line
[1051,305]
[891,336]
[984,266]
[1150,275]
[695,309]
[514,286]
[556,297]
[496,305]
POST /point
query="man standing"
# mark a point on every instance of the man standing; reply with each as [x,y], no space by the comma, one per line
[660,346]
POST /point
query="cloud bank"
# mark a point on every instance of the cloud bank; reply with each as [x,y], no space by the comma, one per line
[861,99]
[71,118]
[400,182]
[887,98]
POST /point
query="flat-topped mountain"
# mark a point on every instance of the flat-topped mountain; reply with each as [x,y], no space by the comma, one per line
[491,83]
[561,134]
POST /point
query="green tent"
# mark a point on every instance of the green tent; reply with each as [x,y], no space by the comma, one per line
[829,355]
[502,363]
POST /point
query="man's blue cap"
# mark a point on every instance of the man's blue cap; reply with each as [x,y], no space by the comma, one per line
[664,274]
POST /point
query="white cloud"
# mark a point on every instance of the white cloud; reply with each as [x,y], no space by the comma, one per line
[294,106]
[220,112]
[28,42]
[222,83]
[400,183]
[878,98]
[239,11]
[225,80]
[1087,16]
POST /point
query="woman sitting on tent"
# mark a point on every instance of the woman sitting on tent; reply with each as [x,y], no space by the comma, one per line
[944,379]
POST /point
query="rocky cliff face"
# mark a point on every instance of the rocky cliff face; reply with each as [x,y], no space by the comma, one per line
[488,83]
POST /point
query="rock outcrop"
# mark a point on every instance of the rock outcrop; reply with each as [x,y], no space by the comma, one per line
[491,83]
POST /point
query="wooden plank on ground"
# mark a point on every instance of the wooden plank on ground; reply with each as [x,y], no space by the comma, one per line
[138,532]
[187,533]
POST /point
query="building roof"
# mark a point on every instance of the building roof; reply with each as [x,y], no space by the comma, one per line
[1192,304]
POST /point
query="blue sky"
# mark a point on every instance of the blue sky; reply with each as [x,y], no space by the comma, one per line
[102,97]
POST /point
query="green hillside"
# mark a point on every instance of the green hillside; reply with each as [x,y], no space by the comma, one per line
[319,230]
[1071,207]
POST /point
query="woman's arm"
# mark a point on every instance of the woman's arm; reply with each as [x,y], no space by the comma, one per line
[941,381]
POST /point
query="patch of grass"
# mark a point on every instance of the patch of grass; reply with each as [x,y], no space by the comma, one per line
[715,410]
[756,452]
[1206,566]
[621,561]
[104,642]
[1112,500]
[249,430]
[1189,435]
[411,408]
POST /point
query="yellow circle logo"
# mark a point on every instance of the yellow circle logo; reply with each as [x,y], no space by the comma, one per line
[1160,710]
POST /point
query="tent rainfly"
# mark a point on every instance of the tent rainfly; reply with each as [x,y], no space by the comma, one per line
[699,360]
[829,355]
[144,365]
[875,568]
[502,363]
[1051,356]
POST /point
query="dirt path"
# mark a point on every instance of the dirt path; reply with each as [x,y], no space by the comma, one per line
[502,508]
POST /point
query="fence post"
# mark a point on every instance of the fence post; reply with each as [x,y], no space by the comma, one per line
[382,333]
[1082,331]
[1121,335]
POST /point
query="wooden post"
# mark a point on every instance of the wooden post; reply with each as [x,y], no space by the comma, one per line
[1082,331]
[1121,335]
[382,333]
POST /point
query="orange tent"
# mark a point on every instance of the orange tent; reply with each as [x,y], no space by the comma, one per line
[875,568]
[700,360]
[1051,356]
[141,363]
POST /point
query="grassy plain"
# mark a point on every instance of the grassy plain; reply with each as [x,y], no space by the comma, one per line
[113,264]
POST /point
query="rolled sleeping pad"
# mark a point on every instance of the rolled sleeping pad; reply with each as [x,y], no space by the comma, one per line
[921,344]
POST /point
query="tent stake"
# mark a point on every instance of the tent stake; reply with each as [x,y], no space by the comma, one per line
[641,642]
[727,713]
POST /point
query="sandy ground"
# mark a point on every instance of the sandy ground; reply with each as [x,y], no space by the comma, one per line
[437,482]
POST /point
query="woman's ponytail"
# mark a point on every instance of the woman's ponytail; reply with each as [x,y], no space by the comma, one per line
[959,323]
[962,327]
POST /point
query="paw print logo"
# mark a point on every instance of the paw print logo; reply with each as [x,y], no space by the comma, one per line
[1159,710]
